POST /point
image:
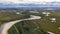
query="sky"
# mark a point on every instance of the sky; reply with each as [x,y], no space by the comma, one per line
[26,1]
[13,2]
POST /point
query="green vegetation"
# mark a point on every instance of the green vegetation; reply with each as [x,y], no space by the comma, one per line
[29,27]
[10,16]
[26,27]
[47,25]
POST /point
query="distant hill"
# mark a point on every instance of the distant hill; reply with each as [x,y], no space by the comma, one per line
[30,6]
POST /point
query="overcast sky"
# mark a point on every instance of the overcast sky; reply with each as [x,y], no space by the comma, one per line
[26,1]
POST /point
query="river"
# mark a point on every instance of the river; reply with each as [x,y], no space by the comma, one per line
[5,27]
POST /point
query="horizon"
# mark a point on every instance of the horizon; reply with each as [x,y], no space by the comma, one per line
[29,3]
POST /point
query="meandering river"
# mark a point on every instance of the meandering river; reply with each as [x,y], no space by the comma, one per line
[5,27]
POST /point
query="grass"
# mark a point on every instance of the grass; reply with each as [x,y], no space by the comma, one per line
[10,16]
[45,24]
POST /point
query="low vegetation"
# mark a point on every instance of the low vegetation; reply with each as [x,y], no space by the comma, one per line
[29,27]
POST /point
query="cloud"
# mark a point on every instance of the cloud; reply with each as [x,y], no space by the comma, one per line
[9,1]
[19,1]
[26,1]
